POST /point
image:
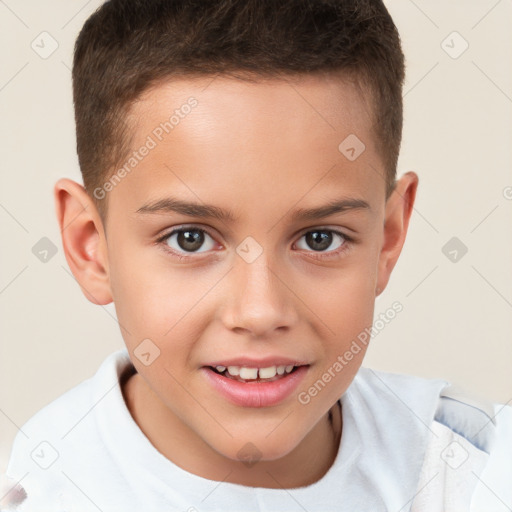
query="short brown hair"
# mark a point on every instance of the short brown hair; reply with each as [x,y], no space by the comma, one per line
[126,46]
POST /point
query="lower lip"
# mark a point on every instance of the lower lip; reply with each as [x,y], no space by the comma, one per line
[256,394]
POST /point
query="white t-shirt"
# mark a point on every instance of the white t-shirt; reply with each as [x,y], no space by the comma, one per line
[84,452]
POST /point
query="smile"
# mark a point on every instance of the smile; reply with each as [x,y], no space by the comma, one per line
[255,387]
[246,374]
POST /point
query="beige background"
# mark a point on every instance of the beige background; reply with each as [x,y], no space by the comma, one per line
[456,323]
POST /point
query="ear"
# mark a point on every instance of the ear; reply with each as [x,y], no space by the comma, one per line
[83,240]
[398,211]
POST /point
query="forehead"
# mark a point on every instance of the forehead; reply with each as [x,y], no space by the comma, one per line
[235,140]
[259,106]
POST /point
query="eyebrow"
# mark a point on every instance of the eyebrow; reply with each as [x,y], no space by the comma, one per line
[173,205]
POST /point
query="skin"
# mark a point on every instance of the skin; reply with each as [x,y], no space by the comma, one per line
[261,150]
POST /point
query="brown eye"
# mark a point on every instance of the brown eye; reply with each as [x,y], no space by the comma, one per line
[188,240]
[320,240]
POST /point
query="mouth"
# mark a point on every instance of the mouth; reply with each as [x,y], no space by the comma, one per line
[255,386]
[248,374]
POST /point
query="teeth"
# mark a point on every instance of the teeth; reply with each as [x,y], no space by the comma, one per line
[267,373]
[234,370]
[248,373]
[253,373]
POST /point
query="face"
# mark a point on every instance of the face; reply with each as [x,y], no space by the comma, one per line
[260,273]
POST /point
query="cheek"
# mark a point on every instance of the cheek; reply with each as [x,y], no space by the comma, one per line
[144,296]
[348,314]
[345,305]
[343,297]
[158,302]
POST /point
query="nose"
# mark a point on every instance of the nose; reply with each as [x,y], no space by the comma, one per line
[260,300]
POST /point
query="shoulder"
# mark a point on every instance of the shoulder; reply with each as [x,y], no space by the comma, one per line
[478,420]
[59,414]
[468,461]
[390,389]
[473,417]
[64,431]
[484,424]
[470,416]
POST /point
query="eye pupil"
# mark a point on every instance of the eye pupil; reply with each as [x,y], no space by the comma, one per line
[190,239]
[324,240]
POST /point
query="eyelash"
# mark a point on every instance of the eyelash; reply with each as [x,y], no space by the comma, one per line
[346,246]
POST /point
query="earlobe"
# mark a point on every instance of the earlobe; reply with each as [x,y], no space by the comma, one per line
[83,240]
[398,212]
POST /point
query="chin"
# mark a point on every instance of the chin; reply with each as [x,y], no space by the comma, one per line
[253,448]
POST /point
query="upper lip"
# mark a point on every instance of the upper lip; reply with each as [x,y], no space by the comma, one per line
[252,362]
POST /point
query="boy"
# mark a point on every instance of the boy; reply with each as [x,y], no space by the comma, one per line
[265,135]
